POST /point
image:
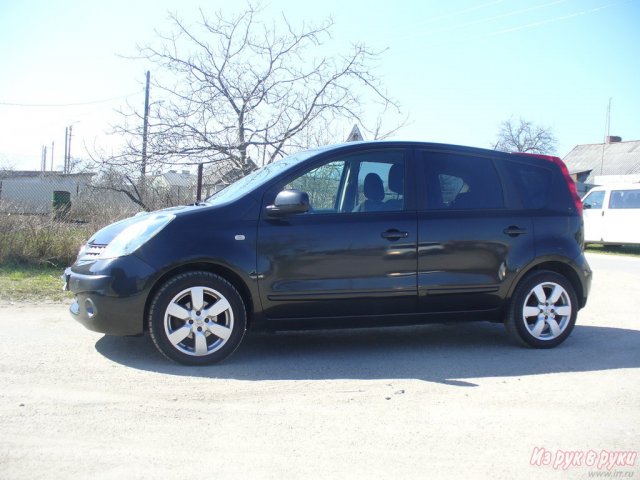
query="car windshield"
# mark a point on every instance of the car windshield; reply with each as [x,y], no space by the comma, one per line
[257,178]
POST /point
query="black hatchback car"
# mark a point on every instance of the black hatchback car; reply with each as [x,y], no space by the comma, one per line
[366,233]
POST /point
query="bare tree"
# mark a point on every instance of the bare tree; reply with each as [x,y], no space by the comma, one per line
[5,164]
[115,176]
[524,136]
[241,90]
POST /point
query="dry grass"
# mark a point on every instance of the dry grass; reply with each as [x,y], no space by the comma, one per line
[32,240]
[45,240]
[35,249]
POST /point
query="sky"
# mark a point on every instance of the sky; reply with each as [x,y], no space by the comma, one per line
[457,68]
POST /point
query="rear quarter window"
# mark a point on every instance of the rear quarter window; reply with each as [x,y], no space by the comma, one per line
[533,183]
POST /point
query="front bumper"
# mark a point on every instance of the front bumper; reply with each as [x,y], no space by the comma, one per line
[110,315]
[110,297]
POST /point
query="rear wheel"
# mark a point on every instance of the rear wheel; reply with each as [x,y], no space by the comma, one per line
[197,318]
[543,310]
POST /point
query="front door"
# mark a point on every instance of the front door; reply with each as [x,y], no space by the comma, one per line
[353,253]
[593,216]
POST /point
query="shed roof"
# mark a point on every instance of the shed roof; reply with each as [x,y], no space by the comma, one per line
[618,158]
[36,173]
[176,179]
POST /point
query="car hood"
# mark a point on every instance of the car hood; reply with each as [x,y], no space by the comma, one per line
[105,235]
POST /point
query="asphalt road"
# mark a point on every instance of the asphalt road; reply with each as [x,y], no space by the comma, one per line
[439,401]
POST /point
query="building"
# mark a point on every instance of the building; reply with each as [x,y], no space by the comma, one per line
[34,192]
[614,161]
[178,185]
[222,173]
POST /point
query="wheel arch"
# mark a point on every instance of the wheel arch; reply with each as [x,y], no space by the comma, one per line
[226,273]
[559,267]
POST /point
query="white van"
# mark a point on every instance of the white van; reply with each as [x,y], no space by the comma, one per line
[612,215]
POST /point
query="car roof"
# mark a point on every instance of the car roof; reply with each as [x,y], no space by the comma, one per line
[363,145]
[617,186]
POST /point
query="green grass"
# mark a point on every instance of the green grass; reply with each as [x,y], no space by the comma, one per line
[31,284]
[631,250]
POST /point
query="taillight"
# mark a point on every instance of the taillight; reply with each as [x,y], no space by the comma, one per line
[565,173]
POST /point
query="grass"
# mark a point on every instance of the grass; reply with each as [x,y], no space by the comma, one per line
[19,283]
[630,250]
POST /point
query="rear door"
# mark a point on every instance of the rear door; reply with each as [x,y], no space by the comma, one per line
[469,243]
[621,221]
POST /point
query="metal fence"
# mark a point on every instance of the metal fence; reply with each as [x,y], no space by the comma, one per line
[77,197]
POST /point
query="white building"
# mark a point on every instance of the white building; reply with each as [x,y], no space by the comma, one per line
[33,192]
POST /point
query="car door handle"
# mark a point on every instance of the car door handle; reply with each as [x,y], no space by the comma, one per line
[394,234]
[514,231]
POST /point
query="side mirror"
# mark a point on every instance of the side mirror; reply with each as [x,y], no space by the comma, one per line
[587,206]
[289,202]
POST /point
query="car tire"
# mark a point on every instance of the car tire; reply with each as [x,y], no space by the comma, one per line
[197,318]
[543,310]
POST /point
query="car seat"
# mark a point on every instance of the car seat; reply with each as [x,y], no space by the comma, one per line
[396,185]
[373,190]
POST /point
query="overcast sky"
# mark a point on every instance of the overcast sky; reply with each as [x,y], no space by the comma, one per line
[458,68]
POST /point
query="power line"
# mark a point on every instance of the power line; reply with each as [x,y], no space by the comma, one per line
[59,105]
[555,19]
[447,29]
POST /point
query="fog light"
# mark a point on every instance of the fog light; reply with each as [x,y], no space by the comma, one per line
[75,308]
[90,308]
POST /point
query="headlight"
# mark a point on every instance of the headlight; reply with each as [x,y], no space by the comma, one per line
[136,235]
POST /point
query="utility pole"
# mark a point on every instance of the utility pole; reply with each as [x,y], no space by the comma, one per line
[145,131]
[67,165]
[66,146]
[52,145]
[199,186]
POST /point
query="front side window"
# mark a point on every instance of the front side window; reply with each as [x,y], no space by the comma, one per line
[372,181]
[322,184]
[594,200]
[461,182]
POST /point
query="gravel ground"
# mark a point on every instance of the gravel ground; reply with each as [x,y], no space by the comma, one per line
[438,401]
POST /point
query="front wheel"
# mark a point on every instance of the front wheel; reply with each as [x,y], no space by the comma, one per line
[543,310]
[197,318]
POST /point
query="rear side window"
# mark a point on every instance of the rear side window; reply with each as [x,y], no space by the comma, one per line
[461,182]
[532,182]
[624,199]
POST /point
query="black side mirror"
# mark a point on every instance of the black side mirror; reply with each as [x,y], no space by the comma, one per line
[289,202]
[587,205]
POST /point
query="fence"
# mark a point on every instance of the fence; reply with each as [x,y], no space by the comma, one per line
[82,198]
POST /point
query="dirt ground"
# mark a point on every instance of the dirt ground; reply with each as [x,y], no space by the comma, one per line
[438,401]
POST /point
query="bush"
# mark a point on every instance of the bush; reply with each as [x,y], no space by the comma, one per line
[39,240]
